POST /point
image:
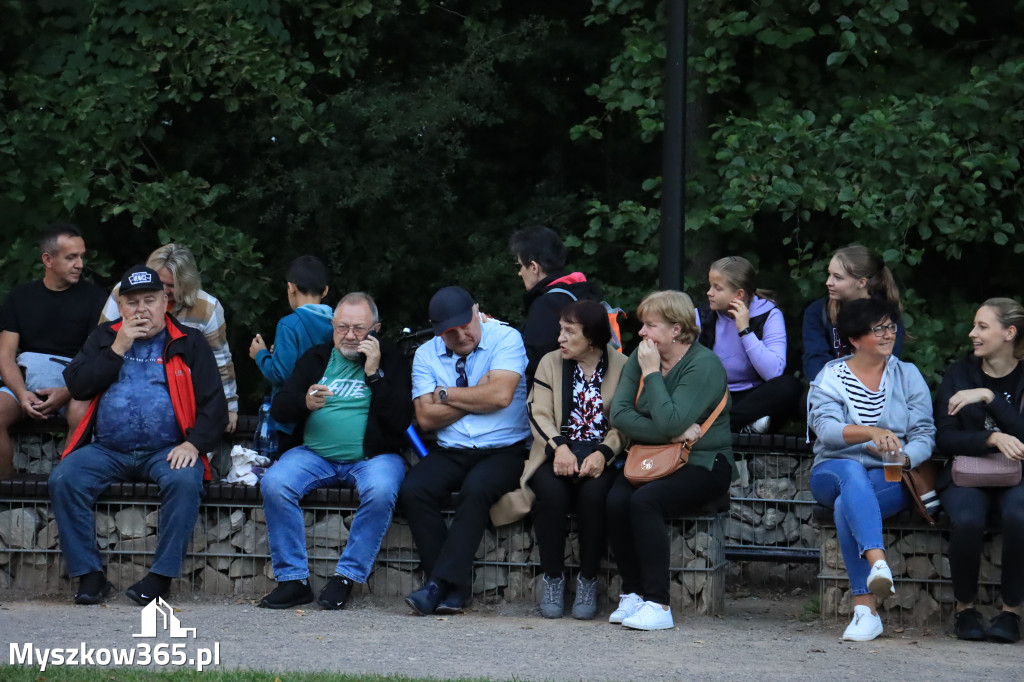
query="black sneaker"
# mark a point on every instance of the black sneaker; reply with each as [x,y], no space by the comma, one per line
[969,625]
[287,594]
[1004,628]
[149,588]
[335,593]
[92,588]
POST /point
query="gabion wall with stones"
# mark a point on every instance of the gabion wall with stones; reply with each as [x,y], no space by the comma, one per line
[770,510]
[229,554]
[919,561]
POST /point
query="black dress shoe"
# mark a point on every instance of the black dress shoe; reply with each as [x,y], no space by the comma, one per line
[1004,628]
[149,588]
[93,588]
[335,593]
[969,626]
[456,599]
[287,594]
[425,600]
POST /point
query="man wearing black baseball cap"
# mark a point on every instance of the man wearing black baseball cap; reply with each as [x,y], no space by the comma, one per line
[156,404]
[469,386]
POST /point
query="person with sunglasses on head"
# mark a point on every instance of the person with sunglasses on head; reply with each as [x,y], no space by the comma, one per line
[865,408]
[468,386]
[540,262]
[349,401]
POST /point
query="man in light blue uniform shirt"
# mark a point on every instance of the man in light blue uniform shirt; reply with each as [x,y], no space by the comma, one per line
[468,385]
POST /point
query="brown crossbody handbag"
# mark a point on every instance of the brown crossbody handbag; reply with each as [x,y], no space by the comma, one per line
[646,463]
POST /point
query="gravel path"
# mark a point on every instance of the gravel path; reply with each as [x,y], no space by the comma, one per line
[758,638]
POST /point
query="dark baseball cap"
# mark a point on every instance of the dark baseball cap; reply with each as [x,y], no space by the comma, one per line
[140,278]
[449,308]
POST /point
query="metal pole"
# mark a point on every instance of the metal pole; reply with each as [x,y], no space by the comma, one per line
[673,169]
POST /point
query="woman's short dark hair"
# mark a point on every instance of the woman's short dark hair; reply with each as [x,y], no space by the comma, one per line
[592,319]
[857,317]
[308,274]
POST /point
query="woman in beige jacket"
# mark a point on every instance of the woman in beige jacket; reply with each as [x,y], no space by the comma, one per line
[570,465]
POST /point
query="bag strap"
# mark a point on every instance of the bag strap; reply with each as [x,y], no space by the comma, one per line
[707,422]
[714,415]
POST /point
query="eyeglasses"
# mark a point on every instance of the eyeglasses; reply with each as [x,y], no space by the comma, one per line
[461,380]
[344,329]
[880,330]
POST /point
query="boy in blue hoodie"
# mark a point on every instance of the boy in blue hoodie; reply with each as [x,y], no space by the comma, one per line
[309,325]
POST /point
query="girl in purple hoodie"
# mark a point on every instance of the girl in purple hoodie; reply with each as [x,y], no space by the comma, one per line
[746,330]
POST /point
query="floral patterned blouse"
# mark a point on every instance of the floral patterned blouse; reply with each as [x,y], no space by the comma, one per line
[587,421]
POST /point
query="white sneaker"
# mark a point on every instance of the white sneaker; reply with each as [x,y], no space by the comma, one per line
[757,426]
[864,627]
[629,604]
[880,580]
[650,616]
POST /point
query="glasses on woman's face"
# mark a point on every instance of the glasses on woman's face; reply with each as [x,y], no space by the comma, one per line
[881,329]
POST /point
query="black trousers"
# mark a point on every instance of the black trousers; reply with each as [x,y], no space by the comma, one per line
[481,477]
[776,398]
[968,509]
[638,529]
[556,497]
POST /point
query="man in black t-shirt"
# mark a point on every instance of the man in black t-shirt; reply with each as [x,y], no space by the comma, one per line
[44,324]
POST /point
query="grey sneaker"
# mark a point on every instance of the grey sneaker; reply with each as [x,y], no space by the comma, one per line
[585,605]
[553,603]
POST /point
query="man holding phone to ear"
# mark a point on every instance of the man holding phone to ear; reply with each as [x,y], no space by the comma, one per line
[350,403]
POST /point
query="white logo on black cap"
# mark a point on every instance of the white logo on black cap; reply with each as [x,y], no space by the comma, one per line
[140,278]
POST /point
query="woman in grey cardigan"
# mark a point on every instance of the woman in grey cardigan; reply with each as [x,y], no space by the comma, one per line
[861,407]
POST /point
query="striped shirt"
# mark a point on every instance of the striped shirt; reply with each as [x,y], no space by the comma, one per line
[207,315]
[866,404]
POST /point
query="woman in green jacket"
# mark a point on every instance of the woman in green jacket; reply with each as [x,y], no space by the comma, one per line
[683,382]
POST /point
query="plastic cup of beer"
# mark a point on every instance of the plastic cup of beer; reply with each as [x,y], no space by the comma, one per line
[892,463]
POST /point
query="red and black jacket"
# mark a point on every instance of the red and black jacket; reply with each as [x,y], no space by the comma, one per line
[193,382]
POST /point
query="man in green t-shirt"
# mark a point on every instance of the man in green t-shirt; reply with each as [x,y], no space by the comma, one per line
[351,405]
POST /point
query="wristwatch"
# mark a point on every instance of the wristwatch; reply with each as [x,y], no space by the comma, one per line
[375,377]
[443,395]
[746,330]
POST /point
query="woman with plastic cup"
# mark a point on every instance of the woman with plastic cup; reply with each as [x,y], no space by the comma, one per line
[866,408]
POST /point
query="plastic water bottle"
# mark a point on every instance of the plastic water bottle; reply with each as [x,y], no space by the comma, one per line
[264,441]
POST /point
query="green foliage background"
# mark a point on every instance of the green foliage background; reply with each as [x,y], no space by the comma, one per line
[404,141]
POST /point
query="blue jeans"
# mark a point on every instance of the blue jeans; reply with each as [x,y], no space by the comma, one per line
[84,474]
[301,470]
[860,498]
